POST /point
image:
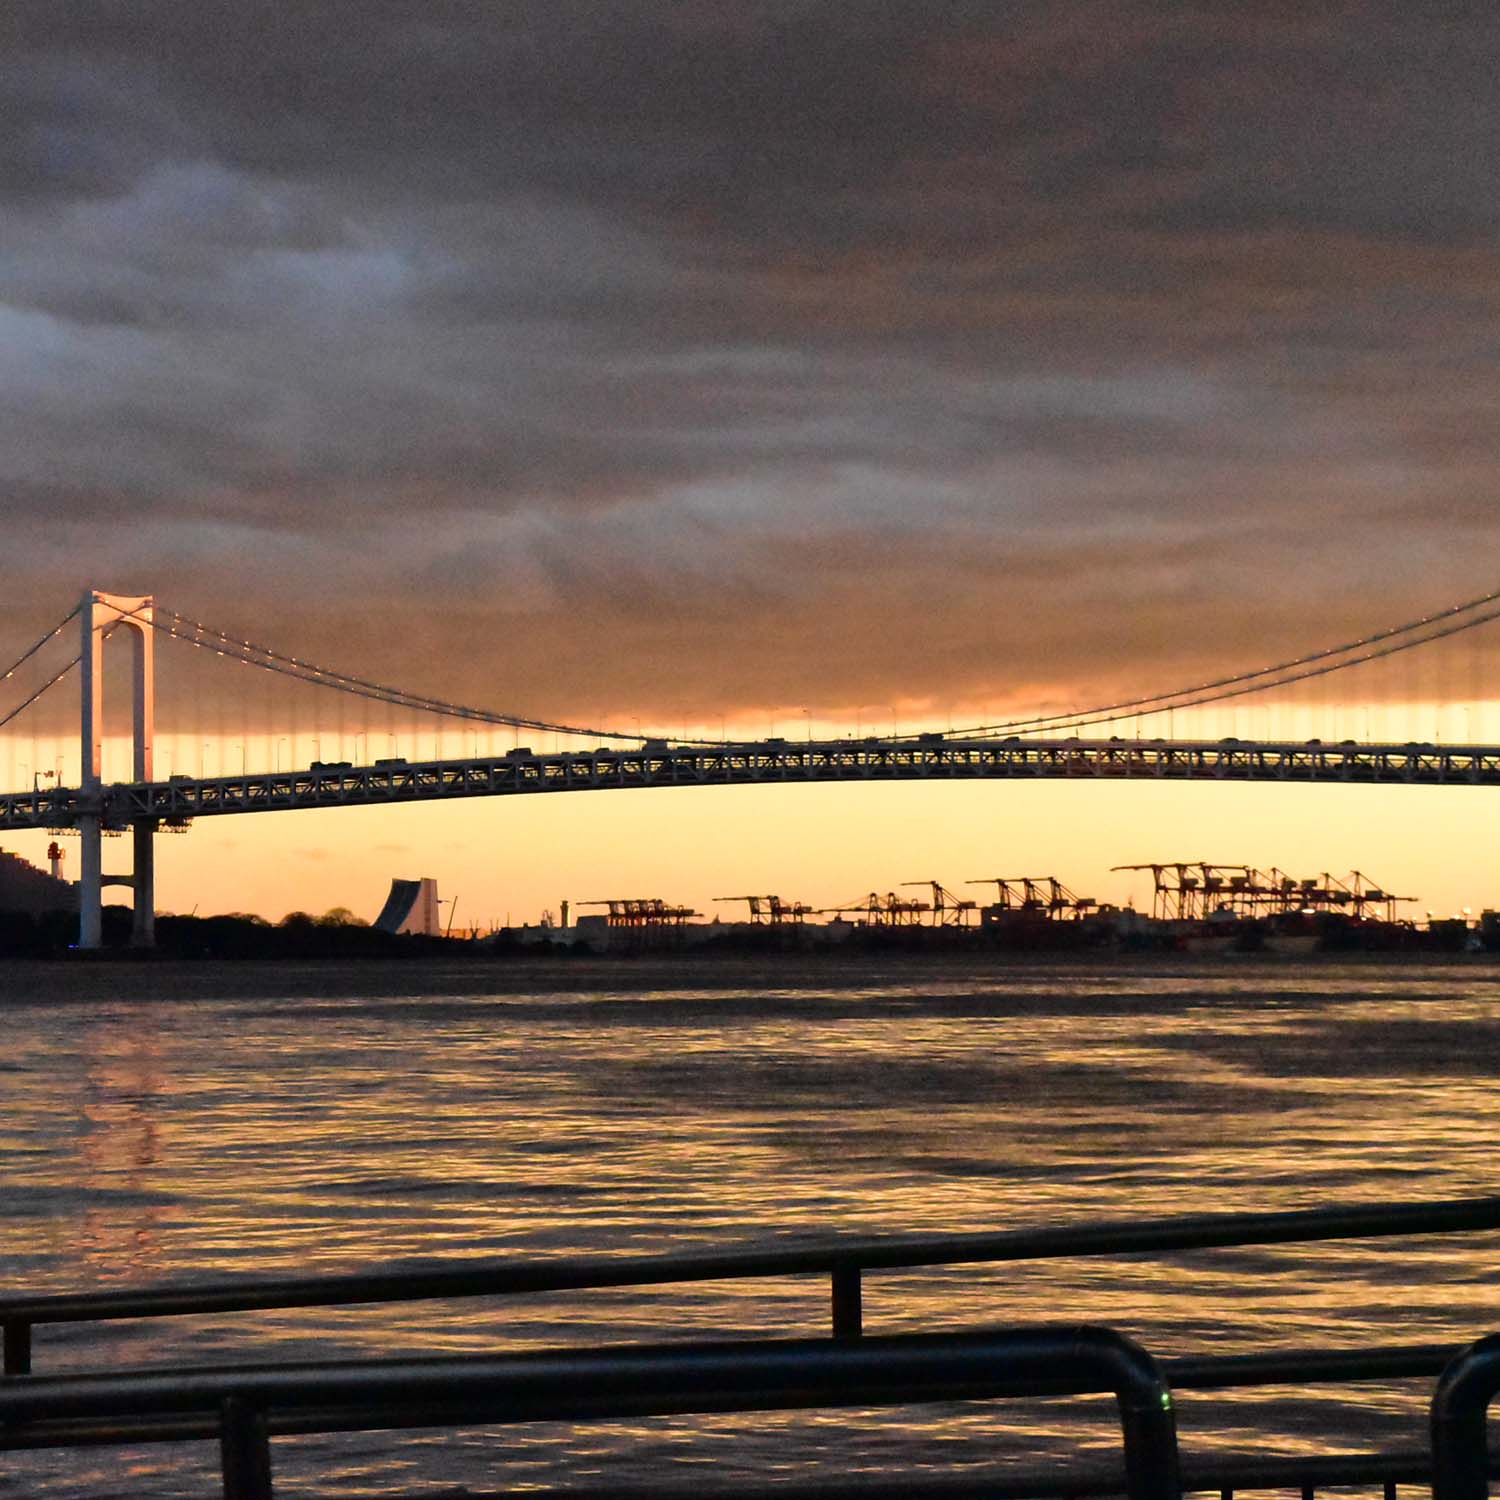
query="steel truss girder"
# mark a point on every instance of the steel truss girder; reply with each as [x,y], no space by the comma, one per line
[756,764]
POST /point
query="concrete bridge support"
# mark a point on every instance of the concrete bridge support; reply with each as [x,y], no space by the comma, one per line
[100,615]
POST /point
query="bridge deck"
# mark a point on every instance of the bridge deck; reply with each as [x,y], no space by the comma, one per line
[757,763]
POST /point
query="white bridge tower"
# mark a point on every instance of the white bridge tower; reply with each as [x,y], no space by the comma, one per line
[101,614]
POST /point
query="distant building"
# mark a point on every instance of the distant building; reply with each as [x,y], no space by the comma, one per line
[412,906]
[23,887]
[591,932]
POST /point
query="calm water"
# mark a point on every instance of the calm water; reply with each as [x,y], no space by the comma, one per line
[174,1123]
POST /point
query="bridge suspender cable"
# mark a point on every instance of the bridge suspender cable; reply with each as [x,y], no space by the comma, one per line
[268,659]
[1373,647]
[1243,683]
[1259,686]
[1160,701]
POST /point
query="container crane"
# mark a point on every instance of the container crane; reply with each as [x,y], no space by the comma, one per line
[1033,895]
[772,909]
[948,910]
[642,911]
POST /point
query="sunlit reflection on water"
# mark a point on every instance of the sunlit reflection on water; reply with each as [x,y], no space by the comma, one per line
[180,1124]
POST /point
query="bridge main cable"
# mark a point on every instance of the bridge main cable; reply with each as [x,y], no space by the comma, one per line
[52,681]
[32,650]
[206,637]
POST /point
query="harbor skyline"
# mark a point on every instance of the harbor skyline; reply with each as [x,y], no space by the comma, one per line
[508,859]
[801,368]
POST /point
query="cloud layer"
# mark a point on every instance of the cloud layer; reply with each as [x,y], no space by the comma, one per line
[668,358]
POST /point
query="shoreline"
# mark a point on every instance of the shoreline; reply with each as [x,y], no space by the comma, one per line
[145,978]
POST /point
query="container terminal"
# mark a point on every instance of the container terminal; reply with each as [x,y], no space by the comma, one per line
[1196,906]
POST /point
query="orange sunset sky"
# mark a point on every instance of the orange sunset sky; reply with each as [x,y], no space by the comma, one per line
[783,363]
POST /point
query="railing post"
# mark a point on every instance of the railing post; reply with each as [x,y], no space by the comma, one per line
[17,1340]
[1460,1454]
[848,1303]
[244,1450]
[1148,1421]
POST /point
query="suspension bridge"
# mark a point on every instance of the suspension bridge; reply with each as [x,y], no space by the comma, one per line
[1109,740]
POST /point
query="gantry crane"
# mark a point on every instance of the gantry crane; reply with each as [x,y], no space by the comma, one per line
[1036,895]
[948,910]
[1194,890]
[1175,890]
[772,909]
[876,910]
[642,911]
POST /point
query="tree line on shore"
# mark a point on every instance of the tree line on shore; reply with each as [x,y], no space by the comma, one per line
[336,934]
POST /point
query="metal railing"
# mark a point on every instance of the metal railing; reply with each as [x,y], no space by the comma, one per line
[242,1406]
[845,1262]
[1460,1458]
[612,1383]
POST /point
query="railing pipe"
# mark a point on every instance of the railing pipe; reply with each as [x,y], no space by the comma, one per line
[1058,1484]
[474,1277]
[1205,1372]
[1460,1405]
[1209,1372]
[680,1378]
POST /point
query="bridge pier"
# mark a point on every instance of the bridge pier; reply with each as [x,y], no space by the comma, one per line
[98,614]
[90,882]
[143,917]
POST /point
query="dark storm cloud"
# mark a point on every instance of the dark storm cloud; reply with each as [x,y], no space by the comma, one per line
[827,351]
